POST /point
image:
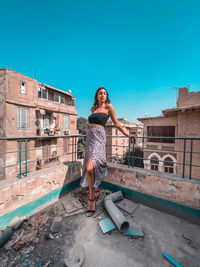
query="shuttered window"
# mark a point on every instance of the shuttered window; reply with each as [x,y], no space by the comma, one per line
[22,118]
[62,99]
[65,122]
[56,97]
[44,93]
[46,120]
[162,131]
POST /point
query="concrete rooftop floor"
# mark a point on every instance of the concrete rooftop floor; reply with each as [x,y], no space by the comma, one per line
[162,233]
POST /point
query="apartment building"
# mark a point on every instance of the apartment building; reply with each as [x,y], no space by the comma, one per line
[29,108]
[182,121]
[116,143]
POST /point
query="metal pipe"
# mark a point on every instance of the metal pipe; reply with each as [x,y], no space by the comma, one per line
[116,215]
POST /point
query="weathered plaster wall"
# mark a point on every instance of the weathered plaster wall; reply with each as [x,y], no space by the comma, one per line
[179,190]
[17,192]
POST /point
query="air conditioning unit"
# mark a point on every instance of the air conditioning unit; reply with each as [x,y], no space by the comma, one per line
[67,132]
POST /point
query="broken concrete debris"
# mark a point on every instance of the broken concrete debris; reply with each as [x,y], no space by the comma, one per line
[127,206]
[9,245]
[75,256]
[56,225]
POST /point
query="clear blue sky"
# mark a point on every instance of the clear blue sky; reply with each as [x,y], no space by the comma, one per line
[138,50]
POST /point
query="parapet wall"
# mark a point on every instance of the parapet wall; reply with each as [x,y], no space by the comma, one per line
[18,196]
[18,192]
[161,185]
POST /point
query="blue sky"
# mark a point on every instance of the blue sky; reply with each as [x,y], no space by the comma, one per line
[138,50]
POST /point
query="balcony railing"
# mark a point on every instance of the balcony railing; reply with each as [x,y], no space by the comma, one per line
[182,158]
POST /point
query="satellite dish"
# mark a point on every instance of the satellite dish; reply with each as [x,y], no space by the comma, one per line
[70,91]
[146,114]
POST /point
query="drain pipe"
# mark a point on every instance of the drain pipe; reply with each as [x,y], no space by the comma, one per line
[116,215]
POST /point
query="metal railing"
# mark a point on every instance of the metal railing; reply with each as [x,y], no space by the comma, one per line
[137,153]
[182,147]
[21,154]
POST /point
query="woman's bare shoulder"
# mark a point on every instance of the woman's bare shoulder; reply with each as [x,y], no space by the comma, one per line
[108,106]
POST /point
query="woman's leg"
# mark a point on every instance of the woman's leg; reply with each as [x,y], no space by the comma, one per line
[90,176]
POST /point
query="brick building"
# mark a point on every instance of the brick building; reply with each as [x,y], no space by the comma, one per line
[183,121]
[32,109]
[116,142]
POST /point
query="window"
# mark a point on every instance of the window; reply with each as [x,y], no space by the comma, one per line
[154,163]
[46,120]
[56,97]
[23,88]
[168,165]
[162,131]
[62,99]
[22,118]
[44,93]
[116,132]
[65,122]
[73,101]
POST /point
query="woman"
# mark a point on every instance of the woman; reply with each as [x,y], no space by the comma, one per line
[94,166]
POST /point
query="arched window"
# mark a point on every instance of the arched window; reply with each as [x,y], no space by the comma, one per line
[168,165]
[154,163]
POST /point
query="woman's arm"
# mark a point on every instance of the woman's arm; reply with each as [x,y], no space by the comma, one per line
[116,122]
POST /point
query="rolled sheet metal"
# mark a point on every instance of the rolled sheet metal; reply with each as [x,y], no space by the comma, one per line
[116,215]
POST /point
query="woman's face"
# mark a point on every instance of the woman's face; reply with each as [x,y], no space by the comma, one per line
[102,95]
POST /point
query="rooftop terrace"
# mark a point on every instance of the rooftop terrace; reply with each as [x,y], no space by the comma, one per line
[177,237]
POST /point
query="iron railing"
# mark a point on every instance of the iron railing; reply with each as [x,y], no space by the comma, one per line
[185,150]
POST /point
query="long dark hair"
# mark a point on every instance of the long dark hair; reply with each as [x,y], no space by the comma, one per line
[95,105]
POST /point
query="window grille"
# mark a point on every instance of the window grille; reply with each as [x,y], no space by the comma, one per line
[65,122]
[22,118]
[46,120]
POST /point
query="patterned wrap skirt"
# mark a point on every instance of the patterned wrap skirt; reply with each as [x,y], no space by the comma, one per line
[95,149]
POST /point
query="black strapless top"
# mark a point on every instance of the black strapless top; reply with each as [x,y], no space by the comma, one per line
[98,118]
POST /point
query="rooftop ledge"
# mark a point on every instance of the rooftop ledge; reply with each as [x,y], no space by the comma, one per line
[178,237]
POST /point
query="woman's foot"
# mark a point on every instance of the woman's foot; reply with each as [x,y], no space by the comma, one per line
[91,207]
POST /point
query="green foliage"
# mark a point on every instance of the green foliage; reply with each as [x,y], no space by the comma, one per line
[83,127]
[135,157]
